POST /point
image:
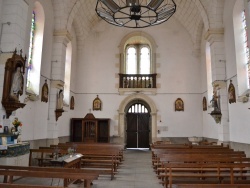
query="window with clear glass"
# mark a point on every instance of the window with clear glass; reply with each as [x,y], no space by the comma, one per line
[131,61]
[138,59]
[144,60]
[138,108]
[66,93]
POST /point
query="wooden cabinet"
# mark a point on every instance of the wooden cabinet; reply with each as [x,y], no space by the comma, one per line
[90,129]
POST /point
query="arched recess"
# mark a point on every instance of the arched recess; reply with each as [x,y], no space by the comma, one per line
[35,49]
[141,37]
[203,14]
[122,112]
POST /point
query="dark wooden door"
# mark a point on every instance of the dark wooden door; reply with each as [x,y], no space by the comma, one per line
[138,130]
[143,130]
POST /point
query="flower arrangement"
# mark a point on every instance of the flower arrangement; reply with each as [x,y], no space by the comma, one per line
[71,151]
[17,127]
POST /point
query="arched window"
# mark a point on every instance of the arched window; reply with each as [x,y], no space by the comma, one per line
[245,37]
[35,50]
[137,108]
[138,59]
[131,60]
[209,72]
[137,63]
[66,98]
[241,46]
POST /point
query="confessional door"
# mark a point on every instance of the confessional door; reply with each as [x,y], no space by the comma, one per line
[90,131]
[138,130]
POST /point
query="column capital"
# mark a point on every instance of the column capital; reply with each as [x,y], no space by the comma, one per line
[62,36]
[59,84]
[214,35]
[219,84]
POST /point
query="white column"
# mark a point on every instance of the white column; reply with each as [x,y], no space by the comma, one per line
[61,39]
[216,39]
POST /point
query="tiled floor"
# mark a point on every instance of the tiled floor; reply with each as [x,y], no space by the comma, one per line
[135,172]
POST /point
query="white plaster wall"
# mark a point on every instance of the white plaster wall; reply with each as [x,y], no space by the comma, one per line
[1,10]
[209,127]
[63,122]
[34,115]
[178,72]
[238,112]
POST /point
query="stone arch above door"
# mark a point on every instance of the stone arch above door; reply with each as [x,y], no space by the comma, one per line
[122,113]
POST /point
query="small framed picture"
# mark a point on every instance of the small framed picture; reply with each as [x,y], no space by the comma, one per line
[204,104]
[45,92]
[179,105]
[72,103]
[97,103]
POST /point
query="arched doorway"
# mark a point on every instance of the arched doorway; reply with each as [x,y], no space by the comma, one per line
[122,120]
[138,121]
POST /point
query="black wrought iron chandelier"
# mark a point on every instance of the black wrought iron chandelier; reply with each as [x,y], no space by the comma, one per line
[135,13]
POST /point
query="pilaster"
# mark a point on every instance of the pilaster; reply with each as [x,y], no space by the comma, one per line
[61,39]
[215,37]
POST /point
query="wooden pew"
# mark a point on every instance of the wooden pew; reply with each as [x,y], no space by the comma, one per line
[44,172]
[183,162]
[201,168]
[44,156]
[186,146]
[211,186]
[107,157]
[82,145]
[203,173]
[199,157]
[5,185]
[229,152]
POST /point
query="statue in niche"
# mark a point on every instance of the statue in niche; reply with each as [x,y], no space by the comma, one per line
[216,113]
[60,100]
[215,101]
[17,84]
[45,92]
[231,93]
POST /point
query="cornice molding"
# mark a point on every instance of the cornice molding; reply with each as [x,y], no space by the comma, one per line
[214,35]
[62,36]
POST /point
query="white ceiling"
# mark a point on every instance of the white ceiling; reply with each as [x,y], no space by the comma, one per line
[194,15]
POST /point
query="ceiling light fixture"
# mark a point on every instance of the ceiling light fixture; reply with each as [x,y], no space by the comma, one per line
[135,13]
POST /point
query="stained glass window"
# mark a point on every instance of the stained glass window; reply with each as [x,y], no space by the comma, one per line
[31,46]
[246,47]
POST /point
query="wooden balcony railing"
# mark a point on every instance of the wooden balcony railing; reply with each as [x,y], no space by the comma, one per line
[137,81]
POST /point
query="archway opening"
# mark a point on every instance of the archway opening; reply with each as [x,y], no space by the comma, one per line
[138,124]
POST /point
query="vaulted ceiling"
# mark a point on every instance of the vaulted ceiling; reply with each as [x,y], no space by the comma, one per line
[194,15]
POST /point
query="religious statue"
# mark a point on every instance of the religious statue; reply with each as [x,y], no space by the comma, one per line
[17,84]
[215,101]
[45,92]
[60,100]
